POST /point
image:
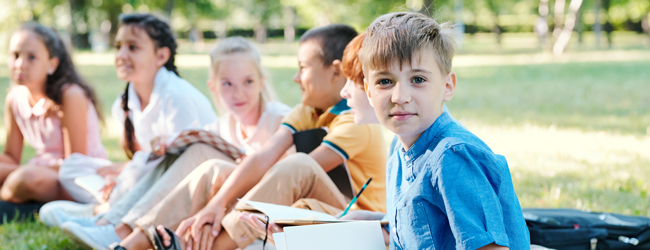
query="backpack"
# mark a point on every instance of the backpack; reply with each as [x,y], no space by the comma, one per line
[573,229]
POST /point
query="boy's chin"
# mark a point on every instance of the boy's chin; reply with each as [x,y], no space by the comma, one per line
[400,128]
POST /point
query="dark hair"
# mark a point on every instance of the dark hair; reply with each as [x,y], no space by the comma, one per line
[162,36]
[65,72]
[332,38]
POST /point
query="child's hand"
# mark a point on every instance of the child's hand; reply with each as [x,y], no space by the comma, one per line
[111,170]
[256,222]
[159,145]
[106,190]
[106,171]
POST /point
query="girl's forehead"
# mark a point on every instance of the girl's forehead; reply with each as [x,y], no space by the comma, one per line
[237,65]
[132,32]
[26,40]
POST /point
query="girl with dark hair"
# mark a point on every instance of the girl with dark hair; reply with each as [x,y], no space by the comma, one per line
[156,103]
[51,108]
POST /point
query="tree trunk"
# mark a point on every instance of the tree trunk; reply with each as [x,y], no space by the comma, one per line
[565,35]
[497,30]
[289,16]
[579,24]
[113,9]
[597,27]
[609,28]
[646,27]
[541,26]
[260,33]
[78,28]
[460,24]
[35,16]
[170,7]
[559,17]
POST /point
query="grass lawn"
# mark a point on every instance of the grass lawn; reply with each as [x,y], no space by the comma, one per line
[576,133]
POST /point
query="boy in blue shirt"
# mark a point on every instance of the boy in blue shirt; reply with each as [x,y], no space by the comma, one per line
[446,188]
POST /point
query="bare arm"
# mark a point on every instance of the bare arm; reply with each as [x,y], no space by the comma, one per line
[326,158]
[14,142]
[252,169]
[74,120]
[493,246]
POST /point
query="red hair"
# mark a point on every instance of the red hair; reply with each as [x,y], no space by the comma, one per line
[350,64]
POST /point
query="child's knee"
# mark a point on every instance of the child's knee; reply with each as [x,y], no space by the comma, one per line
[23,180]
[294,164]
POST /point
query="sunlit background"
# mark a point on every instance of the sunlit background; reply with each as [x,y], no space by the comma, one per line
[560,87]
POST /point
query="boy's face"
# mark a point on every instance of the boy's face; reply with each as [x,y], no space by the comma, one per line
[407,101]
[318,82]
[358,103]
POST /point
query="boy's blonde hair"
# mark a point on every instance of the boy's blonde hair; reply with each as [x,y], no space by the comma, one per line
[398,36]
[239,45]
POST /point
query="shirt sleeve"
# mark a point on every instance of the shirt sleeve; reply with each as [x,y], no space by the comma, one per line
[468,182]
[299,119]
[117,112]
[177,118]
[346,138]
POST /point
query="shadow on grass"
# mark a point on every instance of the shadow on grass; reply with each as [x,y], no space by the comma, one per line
[27,232]
[613,188]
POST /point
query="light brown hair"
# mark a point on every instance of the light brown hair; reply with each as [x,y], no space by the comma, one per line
[350,64]
[239,45]
[399,36]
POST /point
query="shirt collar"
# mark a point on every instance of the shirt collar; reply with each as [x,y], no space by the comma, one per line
[326,118]
[423,142]
[340,108]
[158,84]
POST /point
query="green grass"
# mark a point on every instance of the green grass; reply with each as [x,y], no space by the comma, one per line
[602,96]
[601,111]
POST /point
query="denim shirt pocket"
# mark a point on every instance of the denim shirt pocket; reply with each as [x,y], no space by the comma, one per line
[414,229]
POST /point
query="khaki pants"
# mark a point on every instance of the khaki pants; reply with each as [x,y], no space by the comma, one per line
[298,176]
[154,186]
[190,196]
[292,178]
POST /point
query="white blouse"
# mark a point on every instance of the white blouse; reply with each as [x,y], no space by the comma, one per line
[174,106]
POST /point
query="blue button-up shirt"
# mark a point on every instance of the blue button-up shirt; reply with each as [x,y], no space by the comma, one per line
[449,190]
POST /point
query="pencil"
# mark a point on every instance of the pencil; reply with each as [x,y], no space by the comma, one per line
[355,198]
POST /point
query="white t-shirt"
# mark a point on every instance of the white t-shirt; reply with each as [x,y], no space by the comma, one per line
[230,129]
[174,106]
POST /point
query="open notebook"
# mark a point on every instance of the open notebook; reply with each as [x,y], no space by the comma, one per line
[291,216]
[359,235]
[92,184]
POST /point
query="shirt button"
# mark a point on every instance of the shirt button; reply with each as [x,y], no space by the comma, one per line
[407,157]
[394,229]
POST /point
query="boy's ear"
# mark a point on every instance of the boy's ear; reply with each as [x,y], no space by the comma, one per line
[365,87]
[211,85]
[338,71]
[54,63]
[162,56]
[450,86]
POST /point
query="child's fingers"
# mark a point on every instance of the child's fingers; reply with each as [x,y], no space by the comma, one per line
[167,239]
[184,226]
[190,243]
[276,228]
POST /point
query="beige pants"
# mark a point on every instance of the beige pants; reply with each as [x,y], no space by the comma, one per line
[190,196]
[292,178]
[153,187]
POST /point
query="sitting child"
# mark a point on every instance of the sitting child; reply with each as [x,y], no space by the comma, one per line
[52,108]
[446,188]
